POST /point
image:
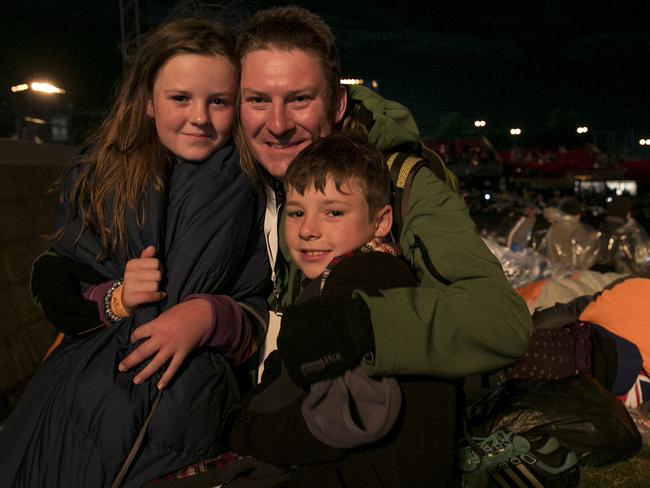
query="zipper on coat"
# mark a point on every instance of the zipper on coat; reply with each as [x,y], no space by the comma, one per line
[418,244]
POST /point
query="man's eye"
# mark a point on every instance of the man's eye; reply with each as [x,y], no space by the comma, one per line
[255,100]
[301,100]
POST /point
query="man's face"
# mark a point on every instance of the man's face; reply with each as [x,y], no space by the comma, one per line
[322,226]
[285,105]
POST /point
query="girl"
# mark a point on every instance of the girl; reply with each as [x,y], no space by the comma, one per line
[162,179]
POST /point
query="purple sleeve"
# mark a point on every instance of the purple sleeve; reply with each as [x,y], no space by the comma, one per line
[232,330]
[96,293]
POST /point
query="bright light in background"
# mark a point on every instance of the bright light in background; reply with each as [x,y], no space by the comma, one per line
[38,86]
[35,120]
[351,81]
[582,130]
[374,84]
[515,132]
[479,123]
[486,196]
[644,142]
[45,87]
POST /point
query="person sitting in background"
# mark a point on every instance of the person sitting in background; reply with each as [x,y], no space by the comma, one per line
[625,247]
[570,244]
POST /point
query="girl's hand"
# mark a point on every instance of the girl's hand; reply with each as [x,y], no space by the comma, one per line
[142,278]
[172,335]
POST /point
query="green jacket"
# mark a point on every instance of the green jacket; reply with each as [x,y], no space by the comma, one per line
[464,318]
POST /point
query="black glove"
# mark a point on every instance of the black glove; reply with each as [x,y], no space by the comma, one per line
[55,285]
[324,337]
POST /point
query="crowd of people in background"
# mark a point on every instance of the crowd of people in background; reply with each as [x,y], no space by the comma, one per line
[600,232]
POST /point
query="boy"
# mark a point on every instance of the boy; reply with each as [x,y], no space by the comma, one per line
[351,430]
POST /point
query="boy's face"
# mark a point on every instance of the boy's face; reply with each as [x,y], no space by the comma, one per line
[321,226]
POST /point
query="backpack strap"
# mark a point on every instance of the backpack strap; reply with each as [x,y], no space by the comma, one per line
[403,167]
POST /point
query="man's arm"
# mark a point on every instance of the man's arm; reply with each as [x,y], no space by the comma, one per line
[465,320]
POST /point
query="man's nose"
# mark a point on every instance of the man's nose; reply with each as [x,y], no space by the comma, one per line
[280,120]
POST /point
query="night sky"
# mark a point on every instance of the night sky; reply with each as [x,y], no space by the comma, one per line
[507,62]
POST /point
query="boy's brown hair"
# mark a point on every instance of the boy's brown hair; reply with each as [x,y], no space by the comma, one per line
[342,156]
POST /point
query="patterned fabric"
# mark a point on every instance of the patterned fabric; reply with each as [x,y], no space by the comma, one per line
[378,244]
[639,393]
[551,355]
[219,462]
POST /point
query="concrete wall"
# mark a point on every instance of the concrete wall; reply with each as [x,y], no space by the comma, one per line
[27,170]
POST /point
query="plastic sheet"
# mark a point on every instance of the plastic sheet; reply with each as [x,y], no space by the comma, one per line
[570,244]
[626,248]
[578,411]
[520,267]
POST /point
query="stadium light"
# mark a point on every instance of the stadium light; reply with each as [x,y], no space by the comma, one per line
[38,86]
[515,131]
[479,123]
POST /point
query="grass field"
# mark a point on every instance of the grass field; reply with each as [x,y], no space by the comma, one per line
[632,473]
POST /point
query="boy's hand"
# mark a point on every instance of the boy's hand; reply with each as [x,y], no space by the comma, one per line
[169,337]
[324,337]
[142,278]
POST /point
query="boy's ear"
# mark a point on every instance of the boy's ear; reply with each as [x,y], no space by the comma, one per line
[383,221]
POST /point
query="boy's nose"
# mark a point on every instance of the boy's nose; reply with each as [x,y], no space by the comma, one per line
[309,230]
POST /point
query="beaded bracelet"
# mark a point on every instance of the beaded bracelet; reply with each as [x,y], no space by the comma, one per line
[113,307]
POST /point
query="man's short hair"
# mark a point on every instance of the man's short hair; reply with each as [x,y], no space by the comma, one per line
[342,156]
[293,27]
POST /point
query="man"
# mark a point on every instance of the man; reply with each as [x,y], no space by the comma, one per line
[464,318]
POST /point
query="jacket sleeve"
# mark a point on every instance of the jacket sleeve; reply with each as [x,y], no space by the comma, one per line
[464,318]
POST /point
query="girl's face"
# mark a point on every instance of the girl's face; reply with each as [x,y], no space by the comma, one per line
[193,104]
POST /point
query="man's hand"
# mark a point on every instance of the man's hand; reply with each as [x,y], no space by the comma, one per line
[142,278]
[169,337]
[324,337]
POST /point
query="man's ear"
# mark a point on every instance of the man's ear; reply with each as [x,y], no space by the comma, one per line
[150,110]
[341,104]
[383,221]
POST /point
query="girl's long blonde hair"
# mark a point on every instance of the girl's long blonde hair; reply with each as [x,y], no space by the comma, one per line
[126,159]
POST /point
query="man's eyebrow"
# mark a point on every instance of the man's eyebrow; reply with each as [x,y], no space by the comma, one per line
[289,94]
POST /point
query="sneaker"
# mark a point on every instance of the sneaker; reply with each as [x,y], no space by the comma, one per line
[507,460]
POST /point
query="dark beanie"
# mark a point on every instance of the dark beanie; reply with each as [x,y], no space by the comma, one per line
[619,207]
[571,206]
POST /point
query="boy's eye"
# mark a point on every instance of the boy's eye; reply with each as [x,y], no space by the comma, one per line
[218,101]
[334,213]
[295,214]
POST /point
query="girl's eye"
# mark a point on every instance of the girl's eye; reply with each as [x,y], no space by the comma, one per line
[179,98]
[296,214]
[218,101]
